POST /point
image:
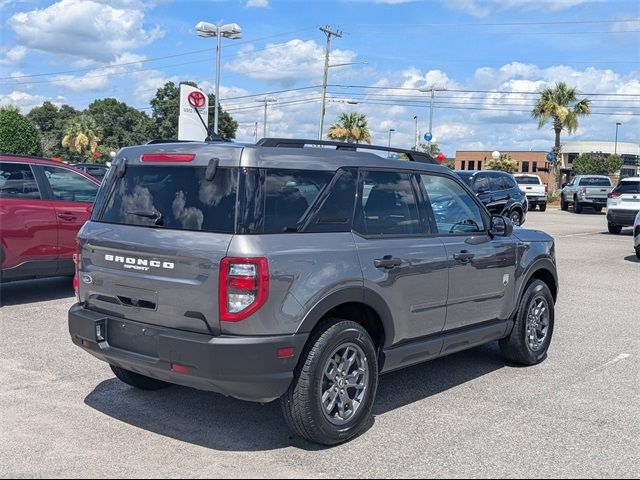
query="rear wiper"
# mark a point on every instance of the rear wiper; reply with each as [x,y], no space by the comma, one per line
[151,214]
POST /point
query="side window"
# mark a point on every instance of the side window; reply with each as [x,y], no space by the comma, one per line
[495,181]
[453,208]
[509,182]
[336,211]
[69,186]
[481,184]
[17,181]
[388,205]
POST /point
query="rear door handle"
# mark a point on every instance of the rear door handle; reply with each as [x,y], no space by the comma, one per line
[464,256]
[387,262]
[69,217]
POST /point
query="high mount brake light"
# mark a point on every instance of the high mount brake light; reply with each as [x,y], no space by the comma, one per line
[243,287]
[168,157]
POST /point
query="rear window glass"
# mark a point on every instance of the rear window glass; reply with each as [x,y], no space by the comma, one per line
[528,180]
[628,187]
[177,198]
[595,182]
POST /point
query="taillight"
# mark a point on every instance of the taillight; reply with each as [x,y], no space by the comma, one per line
[583,191]
[613,194]
[167,157]
[546,188]
[243,287]
[76,277]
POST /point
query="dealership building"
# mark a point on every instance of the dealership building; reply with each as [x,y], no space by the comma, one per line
[535,162]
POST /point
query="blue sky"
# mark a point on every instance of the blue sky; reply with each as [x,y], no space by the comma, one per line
[490,55]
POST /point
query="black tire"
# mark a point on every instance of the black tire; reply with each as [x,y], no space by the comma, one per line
[613,228]
[516,217]
[638,252]
[563,204]
[577,206]
[597,209]
[516,347]
[302,404]
[543,207]
[138,381]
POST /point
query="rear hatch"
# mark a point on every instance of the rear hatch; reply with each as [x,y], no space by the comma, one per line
[151,252]
[595,188]
[531,186]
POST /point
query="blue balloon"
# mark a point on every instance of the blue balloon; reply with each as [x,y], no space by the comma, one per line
[428,137]
[394,156]
[550,157]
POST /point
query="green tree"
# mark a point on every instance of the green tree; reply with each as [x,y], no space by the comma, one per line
[50,120]
[597,164]
[561,105]
[424,147]
[17,134]
[505,163]
[351,128]
[166,105]
[81,135]
[120,124]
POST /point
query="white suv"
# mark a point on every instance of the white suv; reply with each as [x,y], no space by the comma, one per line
[623,204]
[636,235]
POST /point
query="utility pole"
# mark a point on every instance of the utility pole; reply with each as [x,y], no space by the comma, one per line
[255,133]
[417,133]
[266,101]
[329,33]
[615,150]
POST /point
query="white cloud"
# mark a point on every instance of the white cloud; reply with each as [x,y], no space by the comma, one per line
[257,4]
[483,8]
[91,29]
[98,79]
[14,55]
[25,101]
[286,63]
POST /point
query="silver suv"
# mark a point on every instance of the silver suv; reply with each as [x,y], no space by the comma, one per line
[283,271]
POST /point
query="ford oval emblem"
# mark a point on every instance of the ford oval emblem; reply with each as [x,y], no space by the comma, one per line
[88,279]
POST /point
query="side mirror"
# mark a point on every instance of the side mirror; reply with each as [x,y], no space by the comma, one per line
[564,184]
[501,226]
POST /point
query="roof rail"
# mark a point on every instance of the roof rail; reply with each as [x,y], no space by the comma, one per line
[213,138]
[354,147]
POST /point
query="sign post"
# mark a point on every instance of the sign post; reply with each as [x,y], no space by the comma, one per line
[192,126]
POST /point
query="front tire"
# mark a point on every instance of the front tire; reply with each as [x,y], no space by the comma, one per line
[563,204]
[613,228]
[530,338]
[638,252]
[331,397]
[138,381]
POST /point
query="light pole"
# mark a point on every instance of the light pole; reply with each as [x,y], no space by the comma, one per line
[615,151]
[433,90]
[266,101]
[417,133]
[389,143]
[208,30]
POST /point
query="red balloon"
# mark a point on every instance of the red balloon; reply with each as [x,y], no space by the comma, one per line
[440,157]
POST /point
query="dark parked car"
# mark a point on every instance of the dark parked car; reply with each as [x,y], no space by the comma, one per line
[499,192]
[43,204]
[267,272]
[96,170]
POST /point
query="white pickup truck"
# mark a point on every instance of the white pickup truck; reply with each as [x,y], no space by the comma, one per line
[534,189]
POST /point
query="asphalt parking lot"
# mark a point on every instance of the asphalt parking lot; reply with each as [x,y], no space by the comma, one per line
[468,415]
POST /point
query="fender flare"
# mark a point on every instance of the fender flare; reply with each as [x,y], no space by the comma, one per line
[362,295]
[539,264]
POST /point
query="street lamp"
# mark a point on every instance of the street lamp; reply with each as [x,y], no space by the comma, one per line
[266,101]
[495,155]
[389,144]
[432,90]
[348,102]
[207,30]
[615,151]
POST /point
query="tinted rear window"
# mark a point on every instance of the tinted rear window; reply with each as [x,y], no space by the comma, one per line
[628,187]
[528,180]
[177,198]
[595,182]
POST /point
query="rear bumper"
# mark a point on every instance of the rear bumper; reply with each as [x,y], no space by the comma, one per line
[242,367]
[536,199]
[621,217]
[596,202]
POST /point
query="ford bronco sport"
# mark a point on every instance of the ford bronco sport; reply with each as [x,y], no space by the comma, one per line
[283,271]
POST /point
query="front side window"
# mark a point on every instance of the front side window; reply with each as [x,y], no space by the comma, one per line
[453,208]
[176,198]
[388,205]
[17,181]
[70,186]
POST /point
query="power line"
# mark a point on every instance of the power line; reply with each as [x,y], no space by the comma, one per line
[495,24]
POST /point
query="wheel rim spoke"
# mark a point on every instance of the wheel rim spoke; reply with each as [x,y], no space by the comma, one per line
[538,321]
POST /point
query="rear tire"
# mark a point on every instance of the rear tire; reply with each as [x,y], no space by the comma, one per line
[638,252]
[138,381]
[577,207]
[613,228]
[563,204]
[314,407]
[530,338]
[516,217]
[543,207]
[598,209]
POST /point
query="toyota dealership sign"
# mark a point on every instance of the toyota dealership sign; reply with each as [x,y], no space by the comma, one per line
[190,127]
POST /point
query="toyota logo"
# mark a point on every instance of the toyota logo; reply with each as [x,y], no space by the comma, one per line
[197,99]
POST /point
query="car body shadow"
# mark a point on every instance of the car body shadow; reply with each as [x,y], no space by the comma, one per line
[40,290]
[632,259]
[220,423]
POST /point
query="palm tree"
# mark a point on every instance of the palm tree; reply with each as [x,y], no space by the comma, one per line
[351,128]
[560,104]
[81,134]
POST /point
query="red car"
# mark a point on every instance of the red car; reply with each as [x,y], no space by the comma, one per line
[43,204]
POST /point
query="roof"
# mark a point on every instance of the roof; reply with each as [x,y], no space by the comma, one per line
[11,158]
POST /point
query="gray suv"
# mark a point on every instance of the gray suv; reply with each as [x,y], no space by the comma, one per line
[283,271]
